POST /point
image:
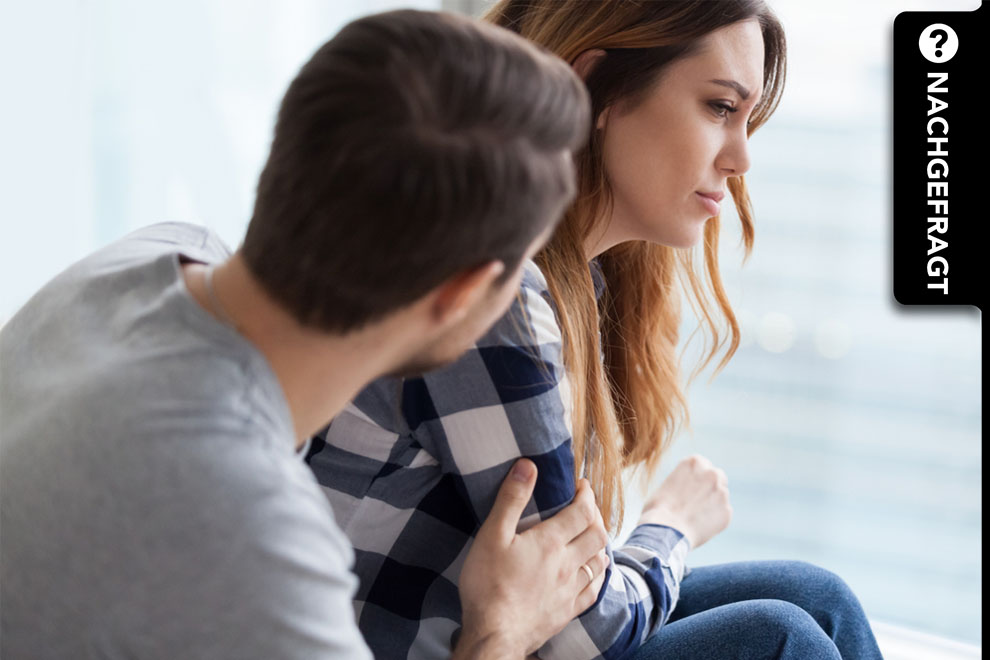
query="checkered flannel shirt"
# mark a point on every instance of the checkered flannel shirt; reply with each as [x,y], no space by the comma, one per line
[412,468]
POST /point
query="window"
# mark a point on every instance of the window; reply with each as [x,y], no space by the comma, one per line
[849,426]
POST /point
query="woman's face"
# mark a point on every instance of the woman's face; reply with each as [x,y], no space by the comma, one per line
[682,142]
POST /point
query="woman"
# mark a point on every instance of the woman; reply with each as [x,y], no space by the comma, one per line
[582,374]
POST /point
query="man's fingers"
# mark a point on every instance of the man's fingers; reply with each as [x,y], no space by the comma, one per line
[589,594]
[598,563]
[513,495]
[588,543]
[576,517]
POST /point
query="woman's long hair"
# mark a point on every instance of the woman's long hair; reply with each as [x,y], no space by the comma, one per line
[627,408]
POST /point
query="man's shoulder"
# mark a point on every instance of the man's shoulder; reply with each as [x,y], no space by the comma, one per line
[176,233]
[194,241]
[119,268]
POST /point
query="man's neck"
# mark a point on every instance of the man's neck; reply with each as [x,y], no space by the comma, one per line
[318,372]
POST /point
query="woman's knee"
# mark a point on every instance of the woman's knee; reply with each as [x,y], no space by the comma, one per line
[789,630]
[822,589]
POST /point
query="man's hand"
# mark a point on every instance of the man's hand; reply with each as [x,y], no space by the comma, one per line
[693,499]
[519,590]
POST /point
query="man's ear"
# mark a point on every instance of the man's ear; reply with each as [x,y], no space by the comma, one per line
[583,65]
[454,298]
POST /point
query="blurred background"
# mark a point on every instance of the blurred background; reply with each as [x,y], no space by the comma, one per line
[850,427]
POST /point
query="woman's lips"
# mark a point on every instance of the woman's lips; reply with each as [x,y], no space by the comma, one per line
[710,201]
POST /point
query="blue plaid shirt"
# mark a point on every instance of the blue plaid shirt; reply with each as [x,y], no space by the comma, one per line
[412,468]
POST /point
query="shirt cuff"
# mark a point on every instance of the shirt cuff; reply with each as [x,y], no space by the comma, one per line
[667,543]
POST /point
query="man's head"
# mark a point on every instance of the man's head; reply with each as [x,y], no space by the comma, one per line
[413,154]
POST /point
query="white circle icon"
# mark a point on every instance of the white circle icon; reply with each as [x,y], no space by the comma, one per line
[938,43]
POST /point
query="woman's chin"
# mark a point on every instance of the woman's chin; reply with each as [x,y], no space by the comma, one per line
[687,232]
[689,238]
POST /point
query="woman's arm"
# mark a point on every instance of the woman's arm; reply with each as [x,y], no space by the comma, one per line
[517,590]
[509,398]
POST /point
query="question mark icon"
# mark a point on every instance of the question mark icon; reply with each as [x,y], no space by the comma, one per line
[940,36]
[938,43]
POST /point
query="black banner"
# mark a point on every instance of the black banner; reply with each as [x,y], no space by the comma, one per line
[941,71]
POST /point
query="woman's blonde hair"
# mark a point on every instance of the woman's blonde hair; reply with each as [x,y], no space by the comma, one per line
[627,407]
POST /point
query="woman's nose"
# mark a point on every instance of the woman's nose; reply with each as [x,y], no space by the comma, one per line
[734,157]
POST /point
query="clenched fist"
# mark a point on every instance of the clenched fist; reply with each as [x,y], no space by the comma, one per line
[693,499]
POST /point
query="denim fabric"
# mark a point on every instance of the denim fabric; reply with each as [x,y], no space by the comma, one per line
[762,610]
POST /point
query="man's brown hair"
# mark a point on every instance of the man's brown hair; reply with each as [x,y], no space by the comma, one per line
[412,146]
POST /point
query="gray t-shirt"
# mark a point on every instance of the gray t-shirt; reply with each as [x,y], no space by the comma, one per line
[151,502]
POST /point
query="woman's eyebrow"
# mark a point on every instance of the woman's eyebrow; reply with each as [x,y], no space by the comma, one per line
[742,91]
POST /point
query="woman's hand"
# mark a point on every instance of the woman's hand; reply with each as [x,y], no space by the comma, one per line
[519,590]
[693,499]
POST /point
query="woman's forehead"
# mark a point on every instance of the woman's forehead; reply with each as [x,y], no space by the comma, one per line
[731,54]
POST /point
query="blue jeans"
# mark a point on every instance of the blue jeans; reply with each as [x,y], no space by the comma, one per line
[763,610]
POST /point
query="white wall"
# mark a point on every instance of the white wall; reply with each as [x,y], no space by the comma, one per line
[117,114]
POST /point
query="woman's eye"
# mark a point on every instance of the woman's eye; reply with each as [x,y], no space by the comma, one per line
[723,109]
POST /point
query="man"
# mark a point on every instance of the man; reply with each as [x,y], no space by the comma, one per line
[156,396]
